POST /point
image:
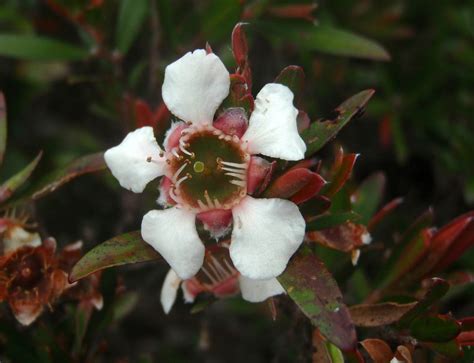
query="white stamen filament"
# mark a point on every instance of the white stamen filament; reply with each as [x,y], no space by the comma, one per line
[209,275]
[175,176]
[238,176]
[239,183]
[235,165]
[182,145]
[208,199]
[186,177]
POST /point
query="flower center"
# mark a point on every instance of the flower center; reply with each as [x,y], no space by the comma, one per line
[209,169]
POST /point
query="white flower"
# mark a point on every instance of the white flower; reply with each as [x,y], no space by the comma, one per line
[252,290]
[209,170]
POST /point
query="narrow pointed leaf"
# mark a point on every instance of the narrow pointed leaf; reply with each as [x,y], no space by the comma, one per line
[83,165]
[3,126]
[321,132]
[342,174]
[131,17]
[121,250]
[369,196]
[37,48]
[436,291]
[374,315]
[16,181]
[378,350]
[315,291]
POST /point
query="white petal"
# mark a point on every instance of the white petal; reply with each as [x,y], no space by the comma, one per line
[172,232]
[259,290]
[129,163]
[169,290]
[272,126]
[195,85]
[266,234]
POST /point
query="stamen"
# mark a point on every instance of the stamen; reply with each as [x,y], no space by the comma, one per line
[178,183]
[209,275]
[173,195]
[235,165]
[201,204]
[217,203]
[233,170]
[218,275]
[239,176]
[179,171]
[239,183]
[229,266]
[219,267]
[208,199]
[176,155]
[182,146]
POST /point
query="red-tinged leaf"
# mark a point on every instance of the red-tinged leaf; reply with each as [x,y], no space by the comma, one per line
[315,291]
[345,237]
[299,185]
[374,315]
[450,349]
[16,181]
[3,127]
[240,51]
[434,328]
[441,245]
[368,196]
[378,350]
[121,250]
[467,324]
[83,165]
[437,289]
[341,175]
[466,339]
[143,114]
[293,77]
[239,44]
[296,11]
[331,220]
[382,213]
[464,241]
[320,133]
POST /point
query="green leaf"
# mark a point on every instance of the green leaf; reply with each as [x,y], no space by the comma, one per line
[320,133]
[369,196]
[3,127]
[315,291]
[293,77]
[432,328]
[131,17]
[326,39]
[331,220]
[436,291]
[121,250]
[334,41]
[16,181]
[37,48]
